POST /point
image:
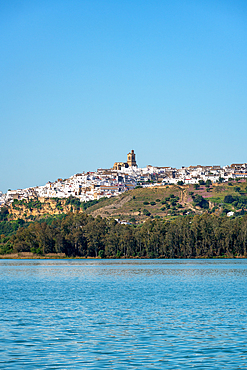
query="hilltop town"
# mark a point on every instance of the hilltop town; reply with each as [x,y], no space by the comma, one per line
[124,176]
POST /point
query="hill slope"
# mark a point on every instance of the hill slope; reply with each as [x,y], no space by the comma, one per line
[141,203]
[171,201]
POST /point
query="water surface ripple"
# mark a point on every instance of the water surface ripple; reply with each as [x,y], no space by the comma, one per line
[123,314]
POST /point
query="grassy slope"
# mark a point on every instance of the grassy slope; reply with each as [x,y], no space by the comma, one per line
[131,204]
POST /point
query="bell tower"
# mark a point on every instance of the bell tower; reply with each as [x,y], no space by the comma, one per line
[131,159]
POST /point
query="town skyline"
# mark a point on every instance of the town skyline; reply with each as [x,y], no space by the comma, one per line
[124,176]
[67,173]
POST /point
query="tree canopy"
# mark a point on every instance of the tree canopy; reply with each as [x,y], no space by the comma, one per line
[79,234]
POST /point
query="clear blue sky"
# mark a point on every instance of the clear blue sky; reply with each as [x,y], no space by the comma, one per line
[84,82]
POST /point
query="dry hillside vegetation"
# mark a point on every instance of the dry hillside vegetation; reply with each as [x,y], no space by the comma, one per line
[141,203]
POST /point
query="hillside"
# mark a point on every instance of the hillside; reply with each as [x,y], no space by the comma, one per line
[137,205]
[173,200]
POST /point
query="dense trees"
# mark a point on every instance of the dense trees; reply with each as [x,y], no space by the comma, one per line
[78,234]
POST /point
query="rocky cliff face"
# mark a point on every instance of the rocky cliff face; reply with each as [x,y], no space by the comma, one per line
[39,208]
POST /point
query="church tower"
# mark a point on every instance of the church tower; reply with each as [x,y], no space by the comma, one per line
[131,160]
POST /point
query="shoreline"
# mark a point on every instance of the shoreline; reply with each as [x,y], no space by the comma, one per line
[60,256]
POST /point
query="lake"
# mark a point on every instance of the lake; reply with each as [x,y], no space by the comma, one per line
[123,314]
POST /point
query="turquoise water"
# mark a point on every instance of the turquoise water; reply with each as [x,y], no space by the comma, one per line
[123,314]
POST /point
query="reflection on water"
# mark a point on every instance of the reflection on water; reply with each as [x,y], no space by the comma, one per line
[123,314]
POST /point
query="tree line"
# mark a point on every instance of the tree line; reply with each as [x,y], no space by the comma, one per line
[79,234]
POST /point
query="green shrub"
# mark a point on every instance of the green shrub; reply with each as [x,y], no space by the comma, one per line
[228,199]
[101,254]
[132,219]
[146,212]
[4,214]
[200,202]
